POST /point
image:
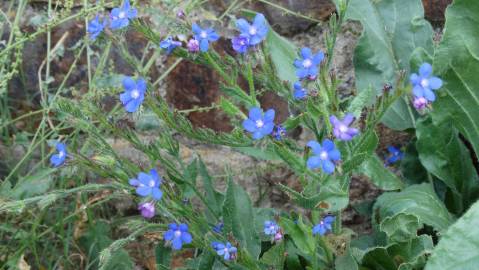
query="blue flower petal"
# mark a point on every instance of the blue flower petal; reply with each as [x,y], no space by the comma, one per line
[327,166]
[313,162]
[186,237]
[176,243]
[143,191]
[429,94]
[435,83]
[258,135]
[269,115]
[315,146]
[328,145]
[249,125]
[318,57]
[425,70]
[255,114]
[204,44]
[168,235]
[334,155]
[306,53]
[243,26]
[156,194]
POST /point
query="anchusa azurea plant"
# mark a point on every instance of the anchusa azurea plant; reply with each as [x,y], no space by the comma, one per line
[320,131]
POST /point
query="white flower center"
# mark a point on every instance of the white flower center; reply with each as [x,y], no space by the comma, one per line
[425,83]
[203,34]
[122,15]
[226,250]
[151,183]
[343,128]
[323,155]
[307,63]
[135,93]
[252,30]
[259,123]
[61,154]
[177,233]
[272,228]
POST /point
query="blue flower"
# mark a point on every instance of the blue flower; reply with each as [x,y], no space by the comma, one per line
[95,27]
[148,184]
[424,83]
[258,124]
[240,43]
[308,64]
[226,250]
[204,36]
[169,44]
[299,91]
[270,227]
[341,129]
[279,132]
[394,155]
[218,227]
[324,225]
[120,17]
[178,235]
[256,32]
[58,159]
[323,156]
[134,93]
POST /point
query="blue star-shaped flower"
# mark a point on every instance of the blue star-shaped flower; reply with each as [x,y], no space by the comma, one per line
[58,159]
[341,128]
[240,44]
[299,91]
[324,225]
[324,156]
[256,32]
[178,235]
[134,93]
[258,124]
[120,17]
[424,83]
[270,227]
[308,64]
[169,44]
[148,184]
[394,155]
[204,36]
[227,250]
[95,27]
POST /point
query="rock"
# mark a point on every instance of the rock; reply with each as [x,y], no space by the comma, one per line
[288,24]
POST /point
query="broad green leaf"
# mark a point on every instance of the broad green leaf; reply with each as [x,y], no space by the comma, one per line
[419,200]
[404,256]
[283,53]
[274,256]
[456,62]
[392,31]
[400,227]
[379,175]
[238,218]
[32,185]
[443,154]
[458,248]
[346,261]
[301,234]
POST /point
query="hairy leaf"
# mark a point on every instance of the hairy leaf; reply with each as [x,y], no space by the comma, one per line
[379,175]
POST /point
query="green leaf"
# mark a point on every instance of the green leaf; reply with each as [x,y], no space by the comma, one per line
[364,99]
[96,239]
[283,53]
[239,218]
[458,248]
[419,200]
[267,153]
[400,227]
[379,175]
[346,261]
[32,185]
[301,234]
[211,195]
[456,62]
[363,150]
[295,162]
[229,108]
[392,30]
[442,153]
[408,255]
[163,256]
[274,256]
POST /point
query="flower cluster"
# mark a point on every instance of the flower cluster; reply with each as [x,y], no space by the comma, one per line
[394,155]
[119,18]
[273,229]
[423,85]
